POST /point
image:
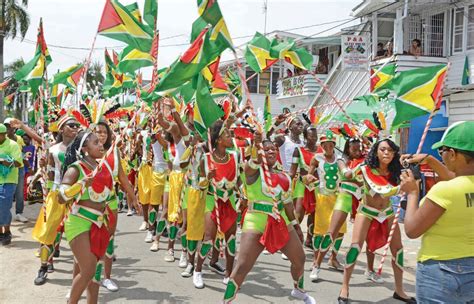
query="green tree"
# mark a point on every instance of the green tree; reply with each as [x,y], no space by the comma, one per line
[15,108]
[94,77]
[14,21]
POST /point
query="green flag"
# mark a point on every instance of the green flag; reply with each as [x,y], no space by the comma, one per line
[466,73]
[197,57]
[132,59]
[206,111]
[418,92]
[267,115]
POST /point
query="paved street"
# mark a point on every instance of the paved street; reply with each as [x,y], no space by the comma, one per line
[144,277]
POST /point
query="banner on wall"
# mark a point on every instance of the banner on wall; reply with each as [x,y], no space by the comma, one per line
[355,54]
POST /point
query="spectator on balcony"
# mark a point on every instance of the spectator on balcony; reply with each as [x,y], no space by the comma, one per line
[321,68]
[389,49]
[289,73]
[380,49]
[415,48]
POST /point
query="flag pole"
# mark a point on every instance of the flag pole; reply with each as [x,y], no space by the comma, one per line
[418,150]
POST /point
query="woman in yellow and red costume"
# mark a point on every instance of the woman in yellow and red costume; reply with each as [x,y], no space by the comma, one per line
[269,222]
[87,227]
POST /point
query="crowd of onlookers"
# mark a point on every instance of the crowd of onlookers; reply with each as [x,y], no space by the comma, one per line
[18,163]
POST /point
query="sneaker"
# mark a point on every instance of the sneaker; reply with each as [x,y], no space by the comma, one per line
[372,276]
[2,236]
[57,253]
[298,294]
[42,275]
[283,256]
[155,246]
[7,238]
[169,257]
[68,294]
[197,280]
[50,268]
[130,212]
[188,272]
[314,274]
[149,236]
[226,280]
[143,227]
[183,260]
[20,218]
[217,268]
[110,285]
[266,252]
[334,264]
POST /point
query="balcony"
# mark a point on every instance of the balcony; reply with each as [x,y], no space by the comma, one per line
[408,62]
[298,91]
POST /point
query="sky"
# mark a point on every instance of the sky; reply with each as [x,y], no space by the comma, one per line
[70,24]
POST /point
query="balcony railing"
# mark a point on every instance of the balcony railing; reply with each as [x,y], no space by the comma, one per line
[408,62]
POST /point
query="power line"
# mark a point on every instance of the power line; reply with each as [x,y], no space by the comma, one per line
[29,41]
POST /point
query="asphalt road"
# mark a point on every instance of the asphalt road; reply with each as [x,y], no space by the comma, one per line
[144,277]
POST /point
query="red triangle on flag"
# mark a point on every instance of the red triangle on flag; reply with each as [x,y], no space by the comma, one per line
[110,18]
[195,47]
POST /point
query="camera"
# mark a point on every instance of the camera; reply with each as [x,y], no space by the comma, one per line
[415,169]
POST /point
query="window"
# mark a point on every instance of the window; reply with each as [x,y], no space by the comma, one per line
[252,84]
[275,77]
[470,27]
[458,29]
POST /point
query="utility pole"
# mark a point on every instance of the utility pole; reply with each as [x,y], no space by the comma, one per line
[265,9]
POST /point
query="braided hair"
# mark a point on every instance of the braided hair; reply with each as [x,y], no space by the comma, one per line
[72,153]
[347,145]
[395,168]
[215,132]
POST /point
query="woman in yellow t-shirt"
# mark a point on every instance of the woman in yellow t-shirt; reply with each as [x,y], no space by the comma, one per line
[445,219]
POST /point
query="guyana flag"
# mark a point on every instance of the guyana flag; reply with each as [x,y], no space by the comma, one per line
[134,9]
[206,111]
[70,77]
[233,81]
[267,115]
[198,56]
[212,74]
[210,13]
[382,80]
[115,81]
[299,57]
[418,92]
[33,71]
[150,13]
[4,84]
[56,95]
[119,23]
[132,59]
[257,53]
[9,98]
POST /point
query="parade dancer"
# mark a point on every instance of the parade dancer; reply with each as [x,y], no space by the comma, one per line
[194,202]
[304,196]
[144,175]
[219,173]
[105,135]
[88,226]
[179,137]
[52,214]
[375,215]
[159,190]
[329,168]
[269,222]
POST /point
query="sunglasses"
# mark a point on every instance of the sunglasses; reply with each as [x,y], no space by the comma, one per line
[442,150]
[73,125]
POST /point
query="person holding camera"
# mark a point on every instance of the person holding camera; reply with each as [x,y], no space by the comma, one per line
[444,219]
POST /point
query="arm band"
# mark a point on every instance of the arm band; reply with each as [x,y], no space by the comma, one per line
[254,152]
[203,183]
[295,160]
[186,155]
[253,164]
[49,185]
[294,222]
[69,192]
